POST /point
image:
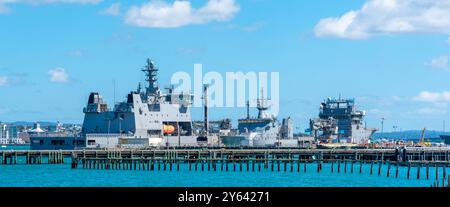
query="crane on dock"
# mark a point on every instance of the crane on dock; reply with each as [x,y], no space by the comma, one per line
[422,142]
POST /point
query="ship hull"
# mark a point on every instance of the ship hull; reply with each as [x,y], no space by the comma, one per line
[446,139]
[234,141]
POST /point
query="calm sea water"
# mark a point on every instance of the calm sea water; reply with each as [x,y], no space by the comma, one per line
[63,175]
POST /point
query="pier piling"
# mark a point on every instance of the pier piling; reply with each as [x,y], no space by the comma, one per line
[259,166]
[418,171]
[291,163]
[388,169]
[360,167]
[379,167]
[352,164]
[345,166]
[278,165]
[437,172]
[371,168]
[240,165]
[409,169]
[339,166]
[396,171]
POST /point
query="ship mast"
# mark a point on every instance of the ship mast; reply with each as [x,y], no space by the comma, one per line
[151,73]
[261,106]
[248,109]
[205,97]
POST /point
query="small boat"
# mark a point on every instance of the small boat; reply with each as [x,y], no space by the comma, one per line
[3,146]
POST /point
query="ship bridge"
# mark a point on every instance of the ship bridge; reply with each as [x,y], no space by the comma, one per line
[340,118]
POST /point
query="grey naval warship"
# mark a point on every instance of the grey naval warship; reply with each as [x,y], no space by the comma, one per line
[261,131]
[340,122]
[147,118]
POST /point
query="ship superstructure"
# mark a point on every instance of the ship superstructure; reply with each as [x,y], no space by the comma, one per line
[261,131]
[340,120]
[147,117]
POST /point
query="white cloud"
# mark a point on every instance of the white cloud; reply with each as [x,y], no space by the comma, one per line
[113,10]
[3,80]
[159,14]
[433,97]
[388,17]
[438,102]
[440,62]
[58,75]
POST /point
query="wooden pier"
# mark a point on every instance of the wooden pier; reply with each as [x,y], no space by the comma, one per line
[250,160]
[414,157]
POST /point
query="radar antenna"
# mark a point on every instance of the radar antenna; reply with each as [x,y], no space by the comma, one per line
[151,73]
[139,88]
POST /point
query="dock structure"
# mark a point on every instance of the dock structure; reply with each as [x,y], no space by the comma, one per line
[413,157]
[249,160]
[270,160]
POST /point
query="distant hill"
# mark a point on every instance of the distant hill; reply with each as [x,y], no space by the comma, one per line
[25,123]
[409,135]
[30,124]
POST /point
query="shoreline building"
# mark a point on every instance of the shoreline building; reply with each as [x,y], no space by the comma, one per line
[9,135]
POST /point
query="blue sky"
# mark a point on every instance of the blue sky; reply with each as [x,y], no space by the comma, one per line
[392,56]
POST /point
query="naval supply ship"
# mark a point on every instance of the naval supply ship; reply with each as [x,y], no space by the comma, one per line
[340,122]
[261,131]
[147,118]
